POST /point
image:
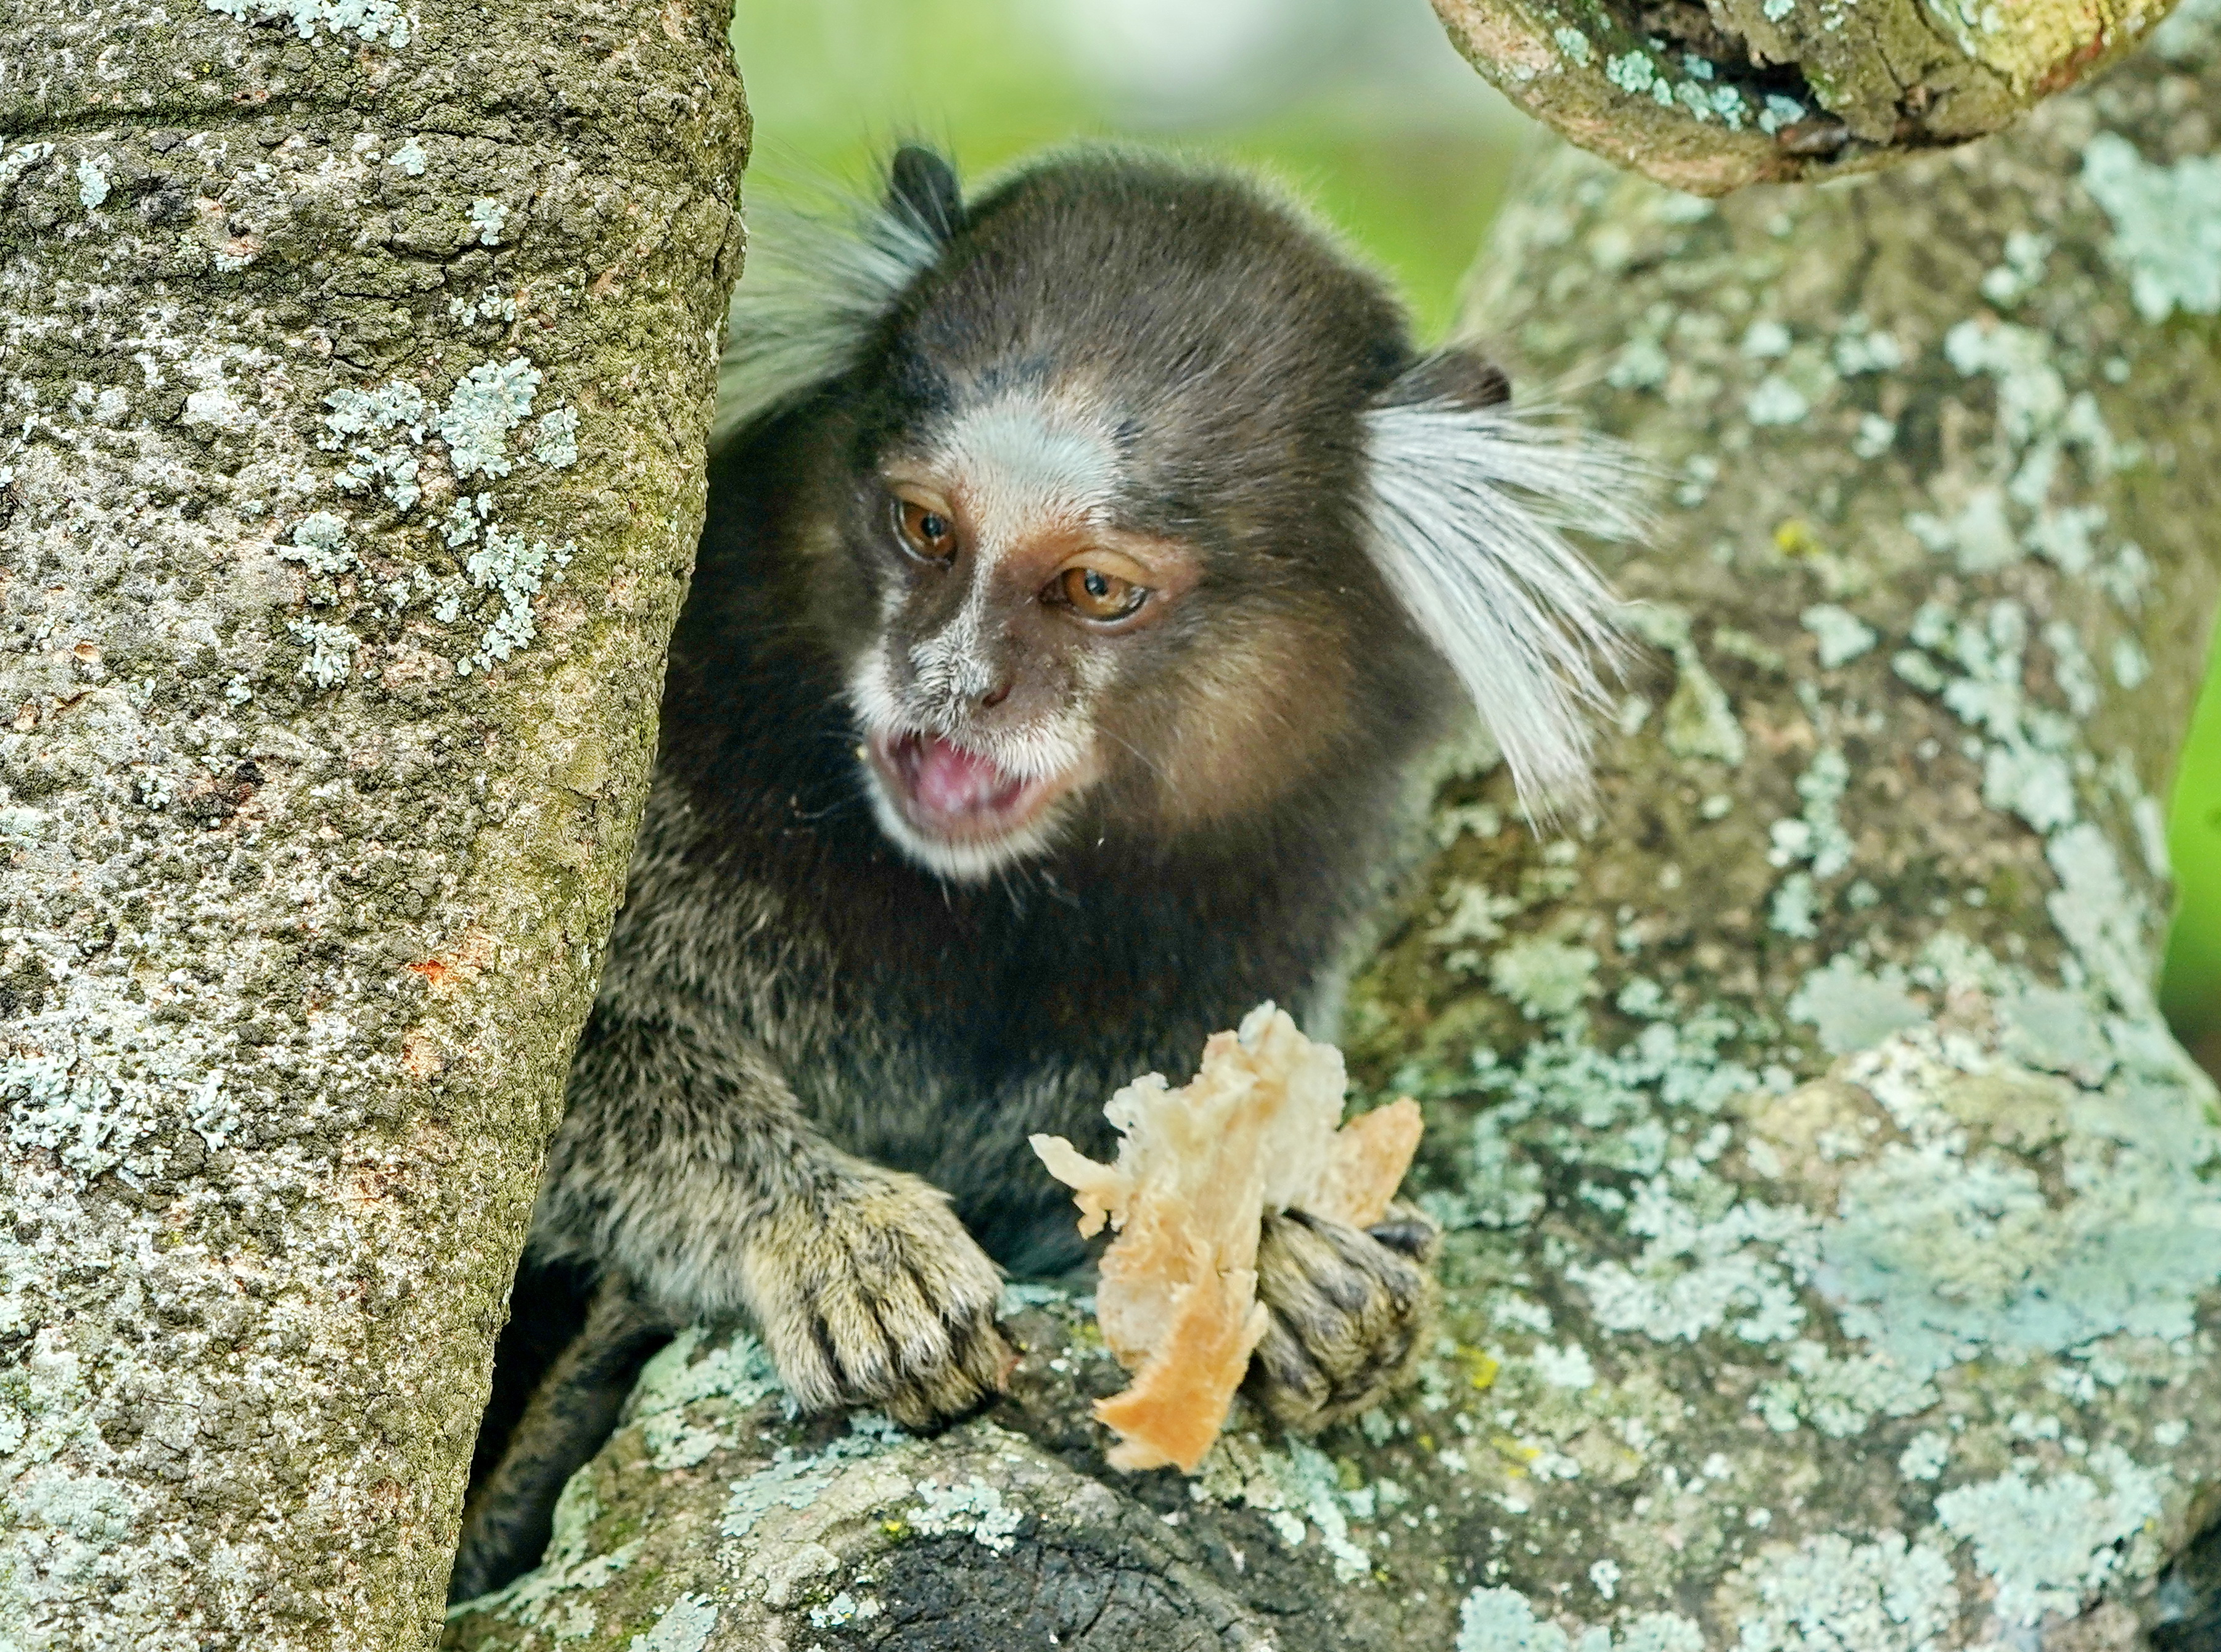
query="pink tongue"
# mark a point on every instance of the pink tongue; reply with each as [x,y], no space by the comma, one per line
[951,781]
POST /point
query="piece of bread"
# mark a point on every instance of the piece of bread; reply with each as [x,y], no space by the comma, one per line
[1197,1167]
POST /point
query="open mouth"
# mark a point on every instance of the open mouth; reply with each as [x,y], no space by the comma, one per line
[945,792]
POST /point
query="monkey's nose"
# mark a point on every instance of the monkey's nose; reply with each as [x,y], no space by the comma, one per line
[995,697]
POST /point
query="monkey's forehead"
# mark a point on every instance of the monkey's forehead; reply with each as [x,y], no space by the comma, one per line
[1020,458]
[1155,284]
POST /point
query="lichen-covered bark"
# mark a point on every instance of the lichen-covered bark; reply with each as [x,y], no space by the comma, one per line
[1710,97]
[355,359]
[1832,1260]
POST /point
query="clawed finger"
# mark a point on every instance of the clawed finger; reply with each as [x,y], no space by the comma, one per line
[1410,1230]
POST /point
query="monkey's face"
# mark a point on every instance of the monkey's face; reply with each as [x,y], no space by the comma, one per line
[1016,613]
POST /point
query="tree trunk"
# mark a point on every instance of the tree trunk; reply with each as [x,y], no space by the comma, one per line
[1830,1263]
[355,361]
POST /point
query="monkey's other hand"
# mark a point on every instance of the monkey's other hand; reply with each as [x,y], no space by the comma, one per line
[1351,1313]
[875,1295]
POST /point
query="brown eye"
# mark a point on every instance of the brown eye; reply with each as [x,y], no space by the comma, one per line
[1098,594]
[926,531]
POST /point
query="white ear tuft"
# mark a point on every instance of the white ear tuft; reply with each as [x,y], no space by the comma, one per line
[814,287]
[1465,520]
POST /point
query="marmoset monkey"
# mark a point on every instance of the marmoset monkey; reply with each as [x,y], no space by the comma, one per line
[1084,563]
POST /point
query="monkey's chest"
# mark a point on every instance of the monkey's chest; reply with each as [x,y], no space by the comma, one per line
[945,1047]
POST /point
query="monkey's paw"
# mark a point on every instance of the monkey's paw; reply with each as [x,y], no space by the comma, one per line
[1351,1313]
[877,1296]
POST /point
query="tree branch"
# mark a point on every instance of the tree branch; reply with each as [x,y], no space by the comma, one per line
[1709,98]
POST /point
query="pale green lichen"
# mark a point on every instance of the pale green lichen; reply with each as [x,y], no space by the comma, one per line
[1850,1007]
[1739,1272]
[1794,910]
[2050,1546]
[1839,1397]
[460,526]
[319,544]
[1862,347]
[1939,1252]
[1290,1488]
[488,218]
[1817,834]
[739,1371]
[2167,225]
[515,571]
[684,1625]
[2023,270]
[569,1567]
[1569,1366]
[331,658]
[486,403]
[1544,977]
[1779,111]
[1924,1456]
[1978,538]
[1503,1620]
[2052,1029]
[1633,71]
[2102,918]
[1832,1594]
[2029,766]
[1776,401]
[92,183]
[1843,636]
[1699,722]
[2131,665]
[793,1480]
[1766,340]
[555,439]
[842,1609]
[372,21]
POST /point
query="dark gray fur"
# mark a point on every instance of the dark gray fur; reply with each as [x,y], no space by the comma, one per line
[812,1067]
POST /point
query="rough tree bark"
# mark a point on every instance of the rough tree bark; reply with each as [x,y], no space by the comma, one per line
[355,359]
[1831,1265]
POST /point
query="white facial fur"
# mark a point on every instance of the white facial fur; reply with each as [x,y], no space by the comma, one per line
[1021,463]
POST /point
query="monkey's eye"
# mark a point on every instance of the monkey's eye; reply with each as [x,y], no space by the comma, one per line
[926,531]
[1097,595]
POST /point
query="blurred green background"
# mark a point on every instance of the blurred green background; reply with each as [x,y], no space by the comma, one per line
[1361,106]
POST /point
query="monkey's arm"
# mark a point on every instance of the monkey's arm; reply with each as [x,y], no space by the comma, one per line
[689,1167]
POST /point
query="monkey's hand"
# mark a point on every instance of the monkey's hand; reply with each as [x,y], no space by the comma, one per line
[1351,1311]
[875,1295]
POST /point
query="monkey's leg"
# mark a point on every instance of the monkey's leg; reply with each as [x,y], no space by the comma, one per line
[689,1166]
[1351,1313]
[506,1525]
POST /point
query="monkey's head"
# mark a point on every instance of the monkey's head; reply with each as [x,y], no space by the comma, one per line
[1140,510]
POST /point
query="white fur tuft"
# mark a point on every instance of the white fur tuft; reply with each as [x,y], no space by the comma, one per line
[814,287]
[1465,514]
